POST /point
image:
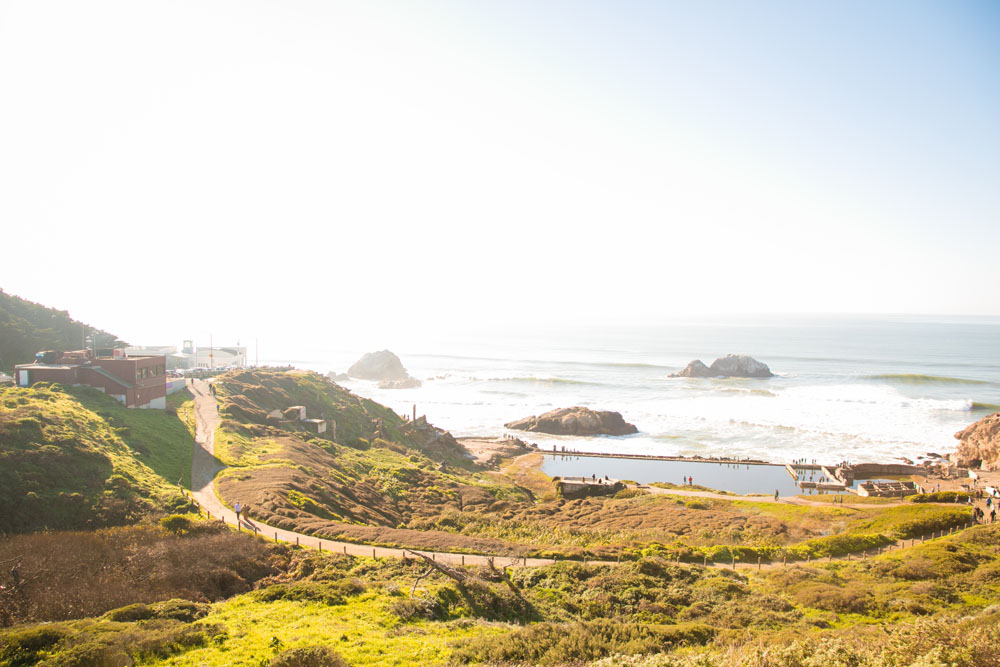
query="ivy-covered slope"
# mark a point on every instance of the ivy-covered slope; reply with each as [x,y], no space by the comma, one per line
[27,327]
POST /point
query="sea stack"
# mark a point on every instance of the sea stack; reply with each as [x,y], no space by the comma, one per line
[385,367]
[979,444]
[575,421]
[729,366]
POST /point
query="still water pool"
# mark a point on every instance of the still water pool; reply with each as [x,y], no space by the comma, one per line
[733,477]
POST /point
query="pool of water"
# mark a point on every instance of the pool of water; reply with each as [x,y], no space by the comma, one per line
[732,477]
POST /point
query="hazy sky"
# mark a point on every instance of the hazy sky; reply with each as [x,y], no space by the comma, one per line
[376,169]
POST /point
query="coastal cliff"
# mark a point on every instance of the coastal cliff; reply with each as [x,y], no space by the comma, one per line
[979,444]
[575,421]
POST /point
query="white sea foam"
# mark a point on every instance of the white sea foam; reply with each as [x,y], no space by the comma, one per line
[856,390]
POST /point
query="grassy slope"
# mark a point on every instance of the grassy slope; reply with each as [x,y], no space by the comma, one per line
[74,460]
[364,485]
[937,600]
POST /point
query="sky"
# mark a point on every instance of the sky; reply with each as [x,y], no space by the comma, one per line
[318,171]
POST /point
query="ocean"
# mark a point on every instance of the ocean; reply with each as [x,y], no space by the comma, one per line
[846,388]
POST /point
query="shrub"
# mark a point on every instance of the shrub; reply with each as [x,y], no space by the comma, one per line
[176,523]
[181,610]
[23,647]
[409,609]
[562,643]
[329,593]
[940,497]
[833,598]
[307,656]
[133,612]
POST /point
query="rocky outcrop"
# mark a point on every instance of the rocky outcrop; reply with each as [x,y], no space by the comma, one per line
[380,366]
[729,366]
[575,421]
[979,444]
[337,377]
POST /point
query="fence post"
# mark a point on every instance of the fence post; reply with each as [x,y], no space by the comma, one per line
[296,540]
[345,549]
[734,562]
[373,552]
[320,546]
[784,560]
[704,562]
[758,563]
[463,559]
[275,536]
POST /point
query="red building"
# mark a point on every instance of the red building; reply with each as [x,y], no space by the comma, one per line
[138,382]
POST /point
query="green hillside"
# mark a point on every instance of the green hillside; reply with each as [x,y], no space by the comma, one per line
[71,459]
[27,327]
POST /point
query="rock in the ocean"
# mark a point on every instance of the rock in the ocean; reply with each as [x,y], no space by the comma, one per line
[338,377]
[979,444]
[696,369]
[382,365]
[575,421]
[408,383]
[729,366]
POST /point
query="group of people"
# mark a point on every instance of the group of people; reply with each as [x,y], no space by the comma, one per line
[688,480]
[980,515]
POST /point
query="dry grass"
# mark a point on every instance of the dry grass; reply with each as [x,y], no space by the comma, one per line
[75,574]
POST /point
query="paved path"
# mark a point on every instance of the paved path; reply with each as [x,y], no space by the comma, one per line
[205,467]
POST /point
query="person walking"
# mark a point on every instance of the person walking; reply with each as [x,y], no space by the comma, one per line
[238,507]
[775,495]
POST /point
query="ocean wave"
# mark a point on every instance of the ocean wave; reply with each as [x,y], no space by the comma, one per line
[987,407]
[548,362]
[919,378]
[746,391]
[537,380]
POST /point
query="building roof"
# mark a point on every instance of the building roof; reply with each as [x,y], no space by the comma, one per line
[55,367]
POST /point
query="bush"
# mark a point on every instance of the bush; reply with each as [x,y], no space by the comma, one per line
[409,609]
[23,647]
[833,598]
[181,610]
[307,656]
[329,593]
[565,643]
[940,497]
[133,612]
[176,523]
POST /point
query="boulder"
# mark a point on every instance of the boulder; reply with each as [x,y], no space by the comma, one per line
[729,366]
[408,383]
[382,365]
[575,421]
[979,444]
[338,377]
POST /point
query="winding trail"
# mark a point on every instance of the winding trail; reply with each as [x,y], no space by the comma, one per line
[205,467]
